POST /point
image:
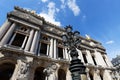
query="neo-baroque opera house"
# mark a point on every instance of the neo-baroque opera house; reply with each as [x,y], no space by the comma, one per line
[29,46]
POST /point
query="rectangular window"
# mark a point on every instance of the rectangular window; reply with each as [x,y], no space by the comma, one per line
[43,49]
[60,52]
[84,57]
[18,40]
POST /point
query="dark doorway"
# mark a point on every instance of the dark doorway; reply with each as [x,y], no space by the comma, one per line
[6,71]
[39,75]
[61,74]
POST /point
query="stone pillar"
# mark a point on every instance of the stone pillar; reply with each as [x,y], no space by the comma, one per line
[12,39]
[55,48]
[89,57]
[51,48]
[35,42]
[4,28]
[23,45]
[27,47]
[80,55]
[8,34]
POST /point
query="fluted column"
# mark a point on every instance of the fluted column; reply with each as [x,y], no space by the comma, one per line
[35,42]
[29,40]
[4,28]
[8,34]
[55,49]
[51,48]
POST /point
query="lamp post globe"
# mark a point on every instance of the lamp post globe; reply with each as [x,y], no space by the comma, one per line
[72,40]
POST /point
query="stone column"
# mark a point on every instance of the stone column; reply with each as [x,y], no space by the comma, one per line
[23,45]
[80,55]
[8,34]
[89,57]
[35,42]
[55,48]
[27,47]
[51,48]
[4,28]
[12,39]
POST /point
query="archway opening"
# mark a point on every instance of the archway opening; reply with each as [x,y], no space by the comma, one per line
[61,74]
[6,71]
[39,75]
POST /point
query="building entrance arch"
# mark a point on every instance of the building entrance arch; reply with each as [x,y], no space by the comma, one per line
[39,75]
[6,70]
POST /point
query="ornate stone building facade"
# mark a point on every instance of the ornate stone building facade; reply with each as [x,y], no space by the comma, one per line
[31,49]
[116,63]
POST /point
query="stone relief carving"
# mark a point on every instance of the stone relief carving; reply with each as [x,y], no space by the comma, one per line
[23,70]
[50,69]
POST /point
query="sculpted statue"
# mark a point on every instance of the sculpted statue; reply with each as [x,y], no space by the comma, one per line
[50,69]
[23,70]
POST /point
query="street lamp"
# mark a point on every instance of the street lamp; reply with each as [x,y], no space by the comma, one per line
[72,40]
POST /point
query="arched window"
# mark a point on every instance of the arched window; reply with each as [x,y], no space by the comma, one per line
[6,71]
[39,75]
[61,74]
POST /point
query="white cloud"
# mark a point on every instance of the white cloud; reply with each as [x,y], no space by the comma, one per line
[74,7]
[63,5]
[110,42]
[51,13]
[44,1]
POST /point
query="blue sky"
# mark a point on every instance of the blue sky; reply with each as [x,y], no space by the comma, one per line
[100,19]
